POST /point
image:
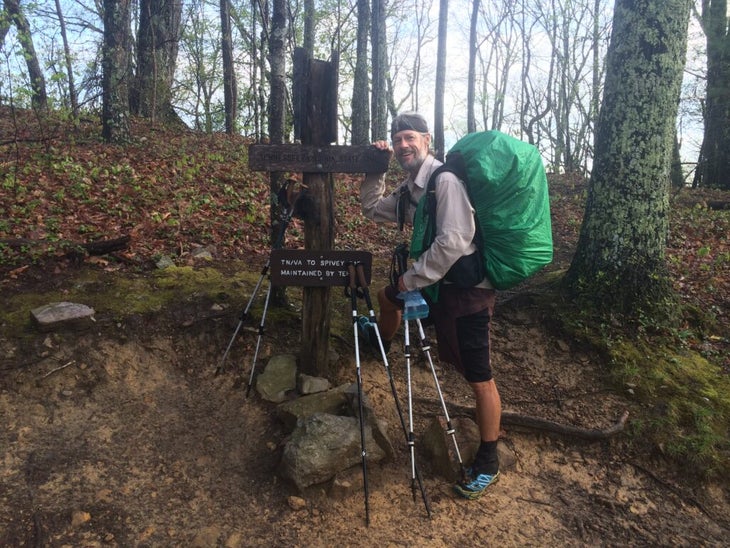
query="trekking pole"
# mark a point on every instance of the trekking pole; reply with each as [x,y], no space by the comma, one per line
[450,430]
[411,437]
[373,320]
[243,316]
[258,340]
[353,294]
[285,220]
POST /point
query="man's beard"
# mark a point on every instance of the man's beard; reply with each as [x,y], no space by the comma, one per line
[414,162]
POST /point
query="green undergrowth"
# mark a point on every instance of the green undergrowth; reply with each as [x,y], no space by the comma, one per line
[116,297]
[682,397]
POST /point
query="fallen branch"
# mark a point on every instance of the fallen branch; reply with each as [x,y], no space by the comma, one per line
[52,371]
[537,423]
[97,247]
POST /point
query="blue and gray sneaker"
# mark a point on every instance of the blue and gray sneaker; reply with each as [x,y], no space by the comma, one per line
[474,485]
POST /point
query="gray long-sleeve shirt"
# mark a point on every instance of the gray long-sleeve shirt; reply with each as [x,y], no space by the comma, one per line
[454,220]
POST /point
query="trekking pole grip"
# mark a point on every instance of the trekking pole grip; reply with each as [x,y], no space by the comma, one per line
[362,282]
[353,276]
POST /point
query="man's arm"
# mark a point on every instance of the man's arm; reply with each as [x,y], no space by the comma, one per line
[375,205]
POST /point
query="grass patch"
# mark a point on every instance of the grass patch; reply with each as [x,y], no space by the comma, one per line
[684,398]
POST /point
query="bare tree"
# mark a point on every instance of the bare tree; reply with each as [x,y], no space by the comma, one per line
[471,125]
[67,60]
[379,123]
[39,98]
[438,115]
[713,168]
[230,95]
[360,86]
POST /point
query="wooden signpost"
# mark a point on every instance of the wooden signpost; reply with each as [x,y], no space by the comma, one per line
[315,124]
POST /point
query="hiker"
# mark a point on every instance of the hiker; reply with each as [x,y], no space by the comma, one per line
[462,313]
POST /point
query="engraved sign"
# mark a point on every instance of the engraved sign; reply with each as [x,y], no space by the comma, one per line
[318,159]
[300,267]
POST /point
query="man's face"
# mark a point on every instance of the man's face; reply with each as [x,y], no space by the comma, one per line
[411,149]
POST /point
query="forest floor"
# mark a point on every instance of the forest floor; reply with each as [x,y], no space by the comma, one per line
[123,435]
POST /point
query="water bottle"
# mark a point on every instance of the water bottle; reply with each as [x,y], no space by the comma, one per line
[415,305]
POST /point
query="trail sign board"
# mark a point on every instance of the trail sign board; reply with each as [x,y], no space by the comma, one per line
[318,158]
[307,268]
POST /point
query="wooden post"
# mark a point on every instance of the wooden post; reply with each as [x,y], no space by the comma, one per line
[315,124]
[320,114]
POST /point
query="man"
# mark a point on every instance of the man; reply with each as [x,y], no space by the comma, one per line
[465,302]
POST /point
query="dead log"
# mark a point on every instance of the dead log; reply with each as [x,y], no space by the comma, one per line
[97,247]
[536,423]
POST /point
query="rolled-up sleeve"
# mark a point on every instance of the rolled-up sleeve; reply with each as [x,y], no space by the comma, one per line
[375,204]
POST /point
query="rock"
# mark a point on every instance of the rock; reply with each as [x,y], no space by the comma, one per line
[380,427]
[278,378]
[164,262]
[79,517]
[439,446]
[202,254]
[64,314]
[312,385]
[332,402]
[323,445]
[296,503]
[207,537]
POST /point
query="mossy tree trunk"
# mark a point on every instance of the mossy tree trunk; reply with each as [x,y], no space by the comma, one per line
[158,37]
[115,63]
[620,258]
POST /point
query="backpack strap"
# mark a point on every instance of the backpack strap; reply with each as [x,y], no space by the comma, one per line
[401,206]
[455,164]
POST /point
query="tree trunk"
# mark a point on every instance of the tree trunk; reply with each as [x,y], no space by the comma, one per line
[438,115]
[714,163]
[379,123]
[116,70]
[360,87]
[157,47]
[277,121]
[308,38]
[39,98]
[619,261]
[229,77]
[471,82]
[67,60]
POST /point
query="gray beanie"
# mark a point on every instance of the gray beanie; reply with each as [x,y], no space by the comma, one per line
[408,121]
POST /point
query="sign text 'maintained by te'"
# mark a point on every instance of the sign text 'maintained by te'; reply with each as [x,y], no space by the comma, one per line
[300,267]
[318,159]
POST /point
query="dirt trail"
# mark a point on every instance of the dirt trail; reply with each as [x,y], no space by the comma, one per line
[123,436]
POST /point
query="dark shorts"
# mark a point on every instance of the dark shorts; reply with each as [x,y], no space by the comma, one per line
[462,319]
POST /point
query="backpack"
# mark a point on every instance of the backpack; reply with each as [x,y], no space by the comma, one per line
[507,186]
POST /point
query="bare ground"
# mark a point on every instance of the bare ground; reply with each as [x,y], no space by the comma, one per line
[123,436]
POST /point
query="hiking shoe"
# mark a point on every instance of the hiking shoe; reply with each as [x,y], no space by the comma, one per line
[475,484]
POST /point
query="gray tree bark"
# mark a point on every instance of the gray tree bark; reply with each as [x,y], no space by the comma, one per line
[619,261]
[360,86]
[157,46]
[39,98]
[116,71]
[714,163]
[230,95]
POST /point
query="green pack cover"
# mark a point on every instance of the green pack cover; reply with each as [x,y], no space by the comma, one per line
[506,182]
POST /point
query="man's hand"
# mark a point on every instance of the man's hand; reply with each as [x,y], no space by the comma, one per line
[401,285]
[383,145]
